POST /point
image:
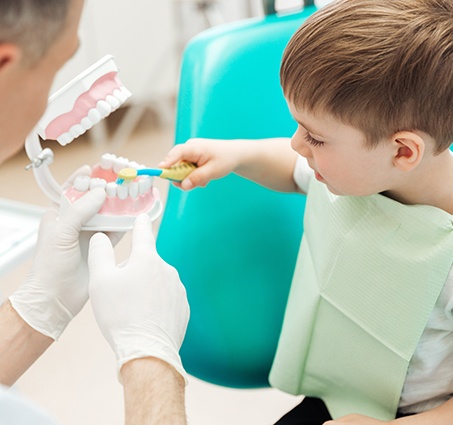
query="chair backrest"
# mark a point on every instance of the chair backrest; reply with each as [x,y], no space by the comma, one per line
[234,243]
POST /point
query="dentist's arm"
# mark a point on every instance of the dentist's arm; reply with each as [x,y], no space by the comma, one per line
[142,310]
[268,162]
[40,309]
[20,345]
[153,393]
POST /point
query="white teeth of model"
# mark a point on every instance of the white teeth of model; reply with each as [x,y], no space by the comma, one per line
[125,92]
[94,116]
[76,130]
[107,161]
[122,191]
[113,101]
[120,95]
[96,182]
[65,138]
[110,189]
[119,163]
[149,183]
[82,183]
[142,186]
[86,123]
[133,164]
[133,190]
[103,108]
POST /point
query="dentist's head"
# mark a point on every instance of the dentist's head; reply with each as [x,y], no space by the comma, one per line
[36,38]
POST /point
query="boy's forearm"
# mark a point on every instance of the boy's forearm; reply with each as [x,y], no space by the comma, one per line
[20,345]
[268,162]
[153,393]
[442,415]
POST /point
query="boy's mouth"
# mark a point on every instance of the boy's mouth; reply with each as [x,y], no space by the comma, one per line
[318,176]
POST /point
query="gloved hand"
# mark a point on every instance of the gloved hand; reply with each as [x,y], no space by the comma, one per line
[54,292]
[141,306]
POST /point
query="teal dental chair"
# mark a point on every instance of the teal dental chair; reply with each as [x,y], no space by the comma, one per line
[234,243]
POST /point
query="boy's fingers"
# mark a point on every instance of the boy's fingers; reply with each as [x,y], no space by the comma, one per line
[185,151]
[175,155]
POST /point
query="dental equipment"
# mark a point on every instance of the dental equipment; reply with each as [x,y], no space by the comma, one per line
[176,173]
[75,108]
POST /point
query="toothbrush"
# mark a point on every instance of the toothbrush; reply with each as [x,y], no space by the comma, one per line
[176,173]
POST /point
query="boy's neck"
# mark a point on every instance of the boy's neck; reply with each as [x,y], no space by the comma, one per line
[431,183]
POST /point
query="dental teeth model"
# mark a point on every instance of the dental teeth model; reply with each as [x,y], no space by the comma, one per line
[124,202]
[71,111]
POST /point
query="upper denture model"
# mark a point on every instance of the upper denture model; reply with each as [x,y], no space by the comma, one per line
[71,111]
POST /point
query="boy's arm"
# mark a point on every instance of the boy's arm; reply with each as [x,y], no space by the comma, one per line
[268,162]
[20,345]
[442,415]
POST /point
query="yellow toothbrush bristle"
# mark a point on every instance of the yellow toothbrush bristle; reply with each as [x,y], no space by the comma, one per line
[127,174]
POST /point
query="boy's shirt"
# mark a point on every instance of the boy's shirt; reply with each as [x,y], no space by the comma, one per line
[429,380]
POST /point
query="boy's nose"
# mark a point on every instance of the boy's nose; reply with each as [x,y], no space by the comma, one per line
[300,145]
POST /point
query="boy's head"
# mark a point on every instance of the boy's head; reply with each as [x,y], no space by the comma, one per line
[36,38]
[380,66]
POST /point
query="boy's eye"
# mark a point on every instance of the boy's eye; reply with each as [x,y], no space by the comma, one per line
[313,141]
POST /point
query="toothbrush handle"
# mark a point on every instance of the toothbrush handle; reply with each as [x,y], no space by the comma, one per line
[149,172]
[178,172]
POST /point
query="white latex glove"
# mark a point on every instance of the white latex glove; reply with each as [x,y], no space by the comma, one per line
[141,306]
[53,292]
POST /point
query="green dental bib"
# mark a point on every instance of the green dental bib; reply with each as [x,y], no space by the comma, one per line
[367,278]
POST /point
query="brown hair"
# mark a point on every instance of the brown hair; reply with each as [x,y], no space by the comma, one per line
[380,66]
[32,24]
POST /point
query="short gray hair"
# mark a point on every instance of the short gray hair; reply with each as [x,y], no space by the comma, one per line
[32,24]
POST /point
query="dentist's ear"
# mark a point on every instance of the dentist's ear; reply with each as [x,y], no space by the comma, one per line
[409,150]
[9,53]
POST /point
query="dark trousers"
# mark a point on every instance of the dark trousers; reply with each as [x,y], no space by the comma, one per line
[312,411]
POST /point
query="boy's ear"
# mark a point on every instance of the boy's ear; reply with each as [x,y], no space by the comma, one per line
[9,54]
[409,150]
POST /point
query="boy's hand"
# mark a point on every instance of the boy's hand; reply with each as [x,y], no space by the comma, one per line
[356,420]
[214,159]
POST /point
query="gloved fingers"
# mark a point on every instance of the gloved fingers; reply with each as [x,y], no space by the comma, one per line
[142,235]
[47,221]
[85,237]
[101,256]
[82,210]
[84,170]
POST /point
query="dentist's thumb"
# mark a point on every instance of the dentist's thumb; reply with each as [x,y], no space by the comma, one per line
[101,256]
[83,210]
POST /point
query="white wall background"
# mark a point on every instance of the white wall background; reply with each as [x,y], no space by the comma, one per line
[147,36]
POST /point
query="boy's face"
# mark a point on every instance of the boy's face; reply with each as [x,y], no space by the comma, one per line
[25,88]
[337,154]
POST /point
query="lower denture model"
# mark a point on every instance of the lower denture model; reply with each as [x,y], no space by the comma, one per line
[71,111]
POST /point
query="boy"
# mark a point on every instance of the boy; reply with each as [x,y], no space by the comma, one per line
[369,325]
